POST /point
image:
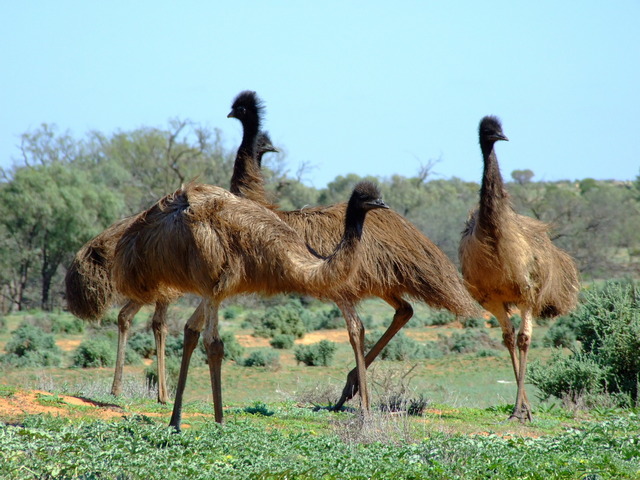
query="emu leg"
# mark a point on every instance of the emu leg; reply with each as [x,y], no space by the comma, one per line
[191,335]
[510,341]
[215,354]
[403,314]
[356,337]
[159,326]
[522,409]
[125,318]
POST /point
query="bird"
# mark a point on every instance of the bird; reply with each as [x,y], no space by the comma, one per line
[204,240]
[89,292]
[508,261]
[398,261]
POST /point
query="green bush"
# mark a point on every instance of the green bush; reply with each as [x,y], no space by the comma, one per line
[172,371]
[232,349]
[607,324]
[231,312]
[282,341]
[143,343]
[29,346]
[568,376]
[328,319]
[286,319]
[95,352]
[473,323]
[317,354]
[66,324]
[262,358]
[469,341]
[401,348]
[562,334]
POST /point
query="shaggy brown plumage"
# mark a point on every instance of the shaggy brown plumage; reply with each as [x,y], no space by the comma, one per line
[397,262]
[204,240]
[90,292]
[508,261]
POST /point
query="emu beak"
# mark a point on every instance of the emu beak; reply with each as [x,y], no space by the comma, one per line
[378,203]
[231,114]
[501,136]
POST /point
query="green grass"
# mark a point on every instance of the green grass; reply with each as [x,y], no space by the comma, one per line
[272,429]
[295,443]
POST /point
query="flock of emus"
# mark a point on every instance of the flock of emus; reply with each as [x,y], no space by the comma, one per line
[216,243]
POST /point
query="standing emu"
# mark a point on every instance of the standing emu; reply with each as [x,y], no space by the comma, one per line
[90,292]
[204,240]
[508,261]
[397,260]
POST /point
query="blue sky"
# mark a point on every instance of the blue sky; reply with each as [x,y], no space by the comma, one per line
[366,87]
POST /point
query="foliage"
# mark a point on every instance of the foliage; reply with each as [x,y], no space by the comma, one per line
[262,358]
[324,319]
[95,352]
[562,333]
[607,325]
[68,189]
[143,343]
[317,354]
[56,323]
[282,341]
[568,376]
[48,210]
[249,447]
[29,346]
[172,372]
[232,348]
[283,319]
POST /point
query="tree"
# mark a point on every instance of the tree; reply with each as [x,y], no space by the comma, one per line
[49,211]
[147,163]
[522,177]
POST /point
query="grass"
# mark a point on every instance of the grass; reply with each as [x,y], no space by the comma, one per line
[274,430]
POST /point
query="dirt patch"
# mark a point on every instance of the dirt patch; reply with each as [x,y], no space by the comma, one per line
[68,345]
[37,402]
[336,336]
[249,341]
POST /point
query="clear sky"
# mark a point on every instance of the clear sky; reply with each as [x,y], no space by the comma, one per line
[367,87]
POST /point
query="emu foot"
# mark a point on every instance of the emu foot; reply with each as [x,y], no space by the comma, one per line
[522,414]
[348,392]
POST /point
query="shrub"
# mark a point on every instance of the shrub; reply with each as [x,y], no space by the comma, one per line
[95,352]
[568,376]
[29,346]
[262,358]
[317,354]
[66,324]
[469,341]
[562,333]
[401,348]
[282,341]
[232,349]
[283,319]
[607,324]
[441,317]
[143,343]
[473,323]
[231,312]
[172,371]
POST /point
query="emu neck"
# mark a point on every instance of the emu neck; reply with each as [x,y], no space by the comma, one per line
[247,180]
[493,196]
[353,223]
